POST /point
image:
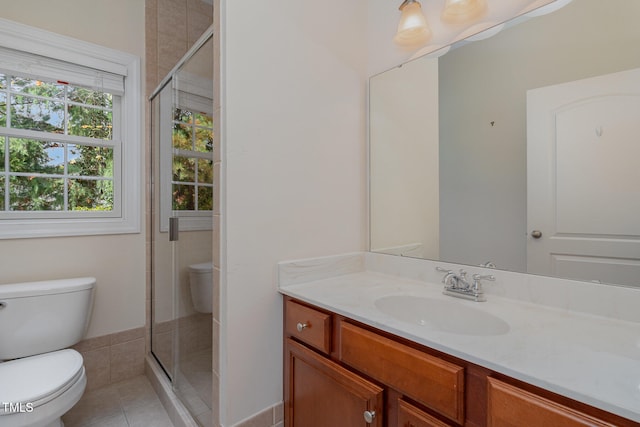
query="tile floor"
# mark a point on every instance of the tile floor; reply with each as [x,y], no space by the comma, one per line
[130,403]
[195,385]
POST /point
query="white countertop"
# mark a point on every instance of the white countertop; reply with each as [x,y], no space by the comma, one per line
[590,358]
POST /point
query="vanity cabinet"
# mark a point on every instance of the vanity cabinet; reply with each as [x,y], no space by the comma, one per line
[340,373]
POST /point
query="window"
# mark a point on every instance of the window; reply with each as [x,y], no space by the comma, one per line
[69,136]
[43,167]
[192,182]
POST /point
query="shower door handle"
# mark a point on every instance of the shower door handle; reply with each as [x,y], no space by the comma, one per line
[174,229]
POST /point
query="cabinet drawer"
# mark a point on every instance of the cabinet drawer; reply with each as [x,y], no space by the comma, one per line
[410,416]
[433,382]
[310,326]
[510,405]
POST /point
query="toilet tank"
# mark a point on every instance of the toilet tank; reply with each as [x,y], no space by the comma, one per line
[201,284]
[38,317]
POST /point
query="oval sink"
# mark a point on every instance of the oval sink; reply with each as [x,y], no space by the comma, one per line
[446,316]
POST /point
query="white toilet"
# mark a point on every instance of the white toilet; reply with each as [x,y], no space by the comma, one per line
[40,379]
[201,283]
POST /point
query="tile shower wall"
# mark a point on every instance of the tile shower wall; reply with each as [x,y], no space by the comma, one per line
[172,27]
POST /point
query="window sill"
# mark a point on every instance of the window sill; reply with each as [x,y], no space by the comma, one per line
[26,229]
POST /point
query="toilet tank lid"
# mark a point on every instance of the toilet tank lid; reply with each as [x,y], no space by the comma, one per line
[46,287]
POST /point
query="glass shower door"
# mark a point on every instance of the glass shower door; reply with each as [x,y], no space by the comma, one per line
[192,204]
[182,211]
[163,316]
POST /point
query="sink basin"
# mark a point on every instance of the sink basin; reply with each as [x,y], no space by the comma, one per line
[443,315]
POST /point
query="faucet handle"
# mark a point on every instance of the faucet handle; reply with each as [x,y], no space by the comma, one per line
[450,279]
[478,277]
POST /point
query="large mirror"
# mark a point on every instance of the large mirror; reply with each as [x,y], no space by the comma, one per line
[521,150]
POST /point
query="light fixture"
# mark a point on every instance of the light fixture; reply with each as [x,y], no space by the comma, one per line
[463,11]
[413,30]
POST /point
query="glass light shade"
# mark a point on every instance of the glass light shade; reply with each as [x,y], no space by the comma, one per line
[413,30]
[463,11]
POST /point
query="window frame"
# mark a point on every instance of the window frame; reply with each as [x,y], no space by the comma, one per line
[35,41]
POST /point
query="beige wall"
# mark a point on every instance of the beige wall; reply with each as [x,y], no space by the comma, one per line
[294,139]
[117,24]
[117,261]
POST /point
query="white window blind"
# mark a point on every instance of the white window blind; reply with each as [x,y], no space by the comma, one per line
[40,67]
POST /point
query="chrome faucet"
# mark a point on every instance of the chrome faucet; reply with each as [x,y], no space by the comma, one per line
[457,285]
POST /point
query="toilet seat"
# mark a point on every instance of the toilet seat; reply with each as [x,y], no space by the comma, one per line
[39,379]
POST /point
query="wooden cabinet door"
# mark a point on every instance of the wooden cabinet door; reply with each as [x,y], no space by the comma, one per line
[321,393]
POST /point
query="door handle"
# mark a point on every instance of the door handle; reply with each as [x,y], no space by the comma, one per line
[536,234]
[174,229]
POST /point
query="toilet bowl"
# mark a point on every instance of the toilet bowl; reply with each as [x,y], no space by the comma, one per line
[38,390]
[201,283]
[42,380]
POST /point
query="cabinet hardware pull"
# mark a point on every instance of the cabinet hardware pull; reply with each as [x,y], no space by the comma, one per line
[301,327]
[369,416]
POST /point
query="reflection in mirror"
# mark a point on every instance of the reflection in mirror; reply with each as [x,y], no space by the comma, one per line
[468,150]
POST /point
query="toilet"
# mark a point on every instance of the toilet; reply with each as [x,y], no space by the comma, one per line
[40,378]
[201,283]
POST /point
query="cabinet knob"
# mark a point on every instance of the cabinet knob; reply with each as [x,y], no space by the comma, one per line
[369,416]
[536,234]
[301,327]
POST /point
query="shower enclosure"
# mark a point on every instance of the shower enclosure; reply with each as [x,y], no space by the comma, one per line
[181,227]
